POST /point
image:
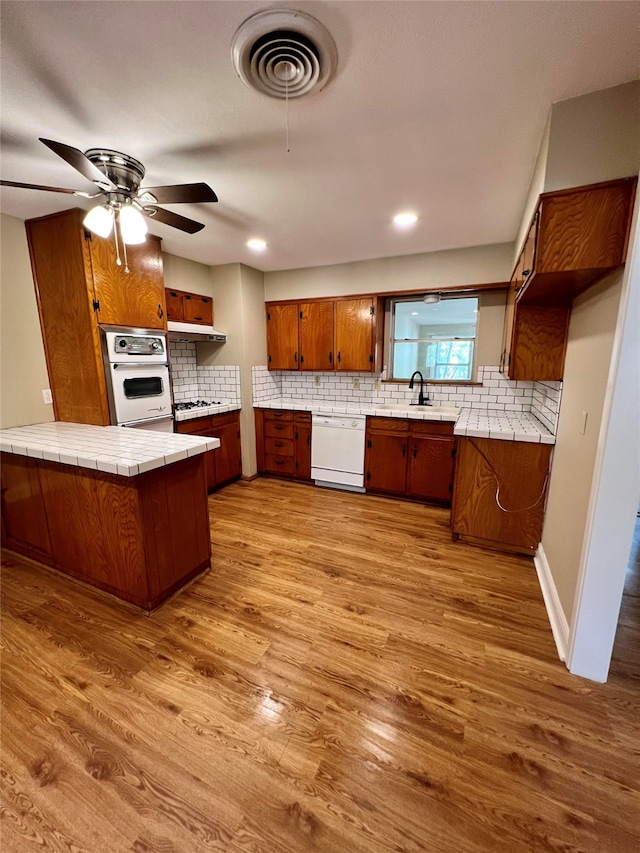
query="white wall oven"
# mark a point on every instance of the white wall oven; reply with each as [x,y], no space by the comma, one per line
[137,371]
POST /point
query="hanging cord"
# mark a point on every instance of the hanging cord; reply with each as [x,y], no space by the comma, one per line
[496,478]
[286,109]
[115,234]
[124,251]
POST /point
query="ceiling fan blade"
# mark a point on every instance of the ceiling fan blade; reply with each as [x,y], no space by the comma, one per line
[181,193]
[48,189]
[167,217]
[82,164]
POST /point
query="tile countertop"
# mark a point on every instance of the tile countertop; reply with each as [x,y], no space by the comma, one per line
[205,411]
[473,423]
[112,449]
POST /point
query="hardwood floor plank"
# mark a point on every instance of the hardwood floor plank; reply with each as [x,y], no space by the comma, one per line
[346,679]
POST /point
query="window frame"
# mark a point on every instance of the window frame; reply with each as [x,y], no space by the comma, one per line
[391,340]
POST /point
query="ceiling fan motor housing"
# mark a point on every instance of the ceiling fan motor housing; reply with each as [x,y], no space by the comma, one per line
[125,171]
[284,53]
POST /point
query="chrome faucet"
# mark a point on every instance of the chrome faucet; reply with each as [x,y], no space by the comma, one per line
[423,399]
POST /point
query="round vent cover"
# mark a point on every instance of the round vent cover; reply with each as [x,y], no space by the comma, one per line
[284,53]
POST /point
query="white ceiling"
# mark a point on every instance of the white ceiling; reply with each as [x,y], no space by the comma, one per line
[436,107]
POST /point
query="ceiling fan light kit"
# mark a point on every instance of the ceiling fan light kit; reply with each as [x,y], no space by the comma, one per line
[284,53]
[117,177]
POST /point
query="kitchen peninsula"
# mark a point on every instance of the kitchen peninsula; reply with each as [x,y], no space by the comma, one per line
[124,510]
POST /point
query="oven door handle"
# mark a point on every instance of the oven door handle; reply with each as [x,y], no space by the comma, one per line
[146,366]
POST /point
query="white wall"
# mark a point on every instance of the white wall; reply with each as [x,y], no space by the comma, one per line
[238,295]
[594,138]
[590,341]
[23,370]
[183,274]
[430,271]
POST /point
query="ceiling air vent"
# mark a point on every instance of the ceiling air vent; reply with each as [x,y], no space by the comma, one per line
[284,53]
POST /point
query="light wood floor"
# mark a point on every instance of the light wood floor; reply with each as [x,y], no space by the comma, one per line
[344,679]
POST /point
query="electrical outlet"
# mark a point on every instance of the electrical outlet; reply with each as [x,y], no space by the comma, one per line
[47,397]
[316,381]
[356,384]
[378,384]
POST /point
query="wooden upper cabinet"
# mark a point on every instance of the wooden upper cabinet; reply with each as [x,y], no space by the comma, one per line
[578,236]
[326,334]
[355,334]
[173,299]
[316,335]
[197,309]
[135,298]
[282,336]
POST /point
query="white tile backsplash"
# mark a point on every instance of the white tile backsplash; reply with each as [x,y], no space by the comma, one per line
[495,393]
[193,381]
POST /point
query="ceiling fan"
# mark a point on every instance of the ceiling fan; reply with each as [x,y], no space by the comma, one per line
[117,178]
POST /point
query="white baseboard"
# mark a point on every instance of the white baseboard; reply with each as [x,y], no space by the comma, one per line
[557,619]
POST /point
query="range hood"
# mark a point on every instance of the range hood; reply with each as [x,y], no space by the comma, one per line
[194,332]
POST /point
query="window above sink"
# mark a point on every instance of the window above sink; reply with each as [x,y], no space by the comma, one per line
[436,337]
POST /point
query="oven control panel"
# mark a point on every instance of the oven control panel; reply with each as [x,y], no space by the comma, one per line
[122,347]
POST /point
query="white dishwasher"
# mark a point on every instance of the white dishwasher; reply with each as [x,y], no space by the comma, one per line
[337,451]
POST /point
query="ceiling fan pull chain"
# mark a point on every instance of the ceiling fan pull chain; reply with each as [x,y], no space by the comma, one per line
[286,109]
[124,251]
[115,234]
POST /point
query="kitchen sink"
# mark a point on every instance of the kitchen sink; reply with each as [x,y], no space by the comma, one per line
[436,410]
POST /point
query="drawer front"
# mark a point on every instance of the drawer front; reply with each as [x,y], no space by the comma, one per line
[277,416]
[278,446]
[388,424]
[278,429]
[277,464]
[195,426]
[431,427]
[218,421]
[302,417]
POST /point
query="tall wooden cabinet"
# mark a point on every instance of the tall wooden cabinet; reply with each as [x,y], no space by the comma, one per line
[325,334]
[79,286]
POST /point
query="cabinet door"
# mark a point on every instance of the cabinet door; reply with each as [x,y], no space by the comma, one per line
[23,515]
[197,309]
[509,319]
[282,337]
[173,300]
[302,439]
[202,426]
[500,489]
[135,298]
[538,342]
[386,462]
[354,339]
[316,336]
[228,455]
[431,468]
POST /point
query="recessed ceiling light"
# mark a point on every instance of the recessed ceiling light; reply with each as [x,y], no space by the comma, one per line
[414,313]
[405,220]
[257,245]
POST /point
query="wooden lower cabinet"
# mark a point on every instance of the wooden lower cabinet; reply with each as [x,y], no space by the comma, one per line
[500,492]
[410,458]
[138,538]
[283,443]
[225,463]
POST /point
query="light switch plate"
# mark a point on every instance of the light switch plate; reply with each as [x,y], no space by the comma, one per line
[47,396]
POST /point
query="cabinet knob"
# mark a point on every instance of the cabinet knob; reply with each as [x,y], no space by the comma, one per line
[525,273]
[338,355]
[160,311]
